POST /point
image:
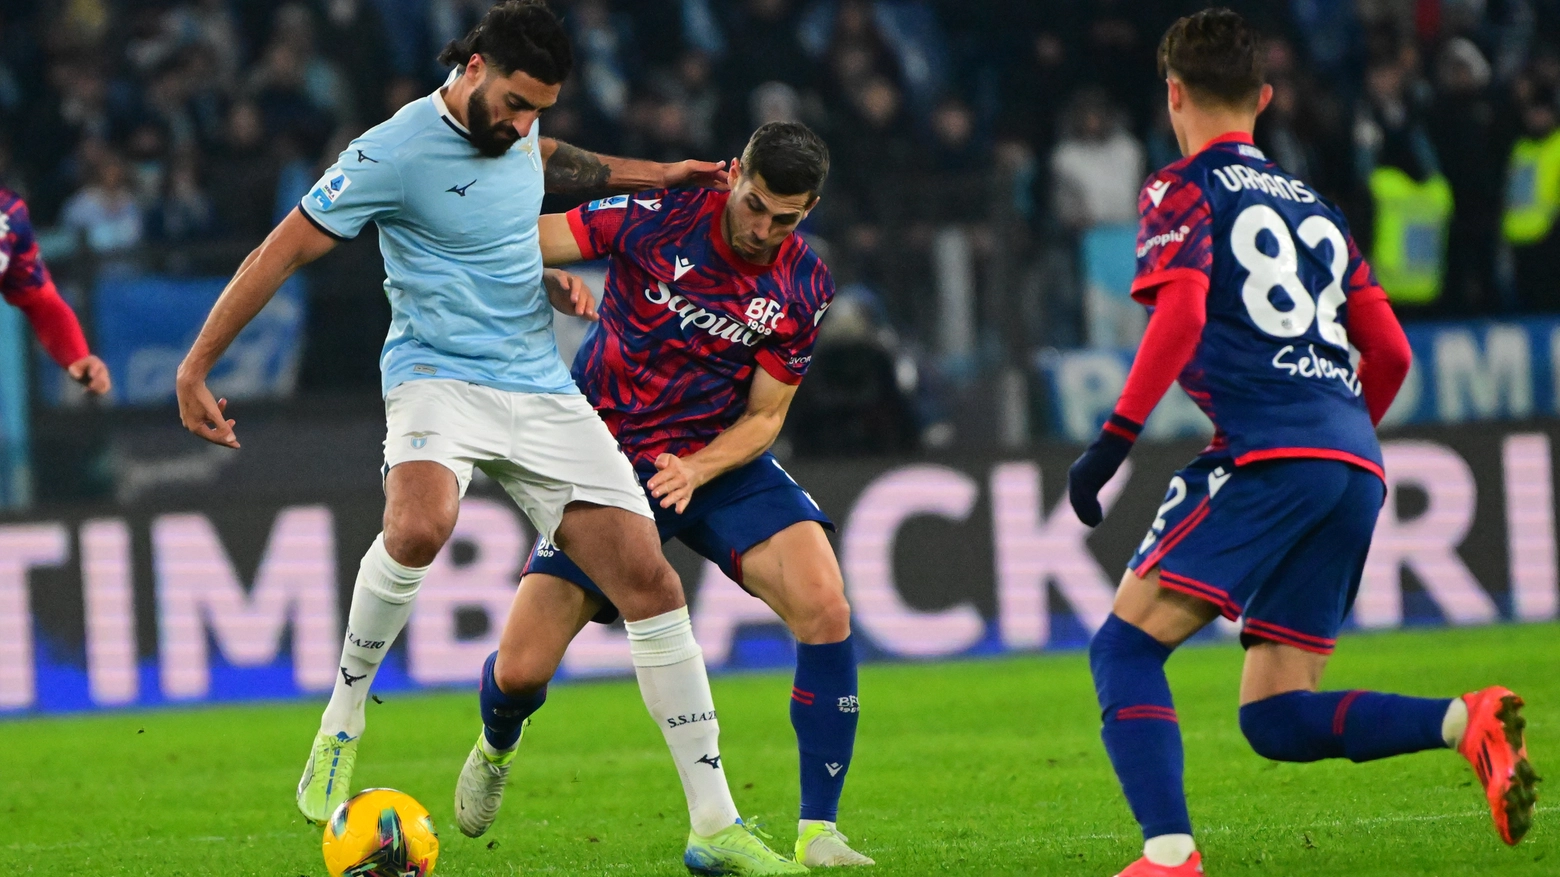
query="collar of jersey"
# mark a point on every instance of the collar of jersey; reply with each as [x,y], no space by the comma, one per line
[444,109]
[717,208]
[1232,137]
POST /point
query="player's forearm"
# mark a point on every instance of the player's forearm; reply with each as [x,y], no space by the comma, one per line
[1167,346]
[574,171]
[258,278]
[740,444]
[54,323]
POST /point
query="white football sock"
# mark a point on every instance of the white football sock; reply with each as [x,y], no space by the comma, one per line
[1169,850]
[1455,723]
[381,604]
[676,689]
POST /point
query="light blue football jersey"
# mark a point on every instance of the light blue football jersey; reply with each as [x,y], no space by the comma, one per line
[463,265]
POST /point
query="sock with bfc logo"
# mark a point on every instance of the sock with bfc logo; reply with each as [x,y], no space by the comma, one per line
[504,715]
[824,712]
[1141,732]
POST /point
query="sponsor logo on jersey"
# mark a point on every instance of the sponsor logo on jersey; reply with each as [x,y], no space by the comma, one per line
[1250,151]
[798,362]
[1238,177]
[689,719]
[1156,192]
[680,266]
[649,204]
[616,202]
[1159,240]
[424,370]
[718,325]
[461,190]
[1216,480]
[326,193]
[822,309]
[1311,365]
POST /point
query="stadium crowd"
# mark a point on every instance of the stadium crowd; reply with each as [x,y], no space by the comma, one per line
[1018,124]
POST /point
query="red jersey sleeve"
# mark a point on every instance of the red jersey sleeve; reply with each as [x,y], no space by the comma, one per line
[25,283]
[598,227]
[1374,330]
[1175,235]
[790,351]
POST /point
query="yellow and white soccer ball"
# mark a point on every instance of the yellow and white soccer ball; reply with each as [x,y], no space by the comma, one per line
[380,833]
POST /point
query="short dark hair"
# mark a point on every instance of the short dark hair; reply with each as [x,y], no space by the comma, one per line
[521,35]
[1217,57]
[789,156]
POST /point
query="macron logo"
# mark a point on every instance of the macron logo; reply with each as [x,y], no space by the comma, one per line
[651,204]
[680,267]
[1156,192]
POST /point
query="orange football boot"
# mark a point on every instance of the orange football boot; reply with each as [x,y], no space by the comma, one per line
[1144,868]
[1493,744]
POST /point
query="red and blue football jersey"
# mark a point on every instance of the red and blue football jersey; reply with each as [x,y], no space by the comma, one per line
[685,320]
[1272,369]
[21,271]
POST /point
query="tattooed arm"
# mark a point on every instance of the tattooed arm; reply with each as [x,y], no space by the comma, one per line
[574,171]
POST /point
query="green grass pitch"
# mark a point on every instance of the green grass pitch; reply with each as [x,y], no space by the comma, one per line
[975,767]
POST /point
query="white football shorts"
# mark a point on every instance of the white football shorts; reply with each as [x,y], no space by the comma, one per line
[546,450]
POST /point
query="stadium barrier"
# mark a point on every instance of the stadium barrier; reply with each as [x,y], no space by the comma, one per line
[1462,372]
[216,599]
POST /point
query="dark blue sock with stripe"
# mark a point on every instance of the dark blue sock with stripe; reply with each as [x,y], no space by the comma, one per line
[1357,725]
[824,710]
[1141,733]
[503,715]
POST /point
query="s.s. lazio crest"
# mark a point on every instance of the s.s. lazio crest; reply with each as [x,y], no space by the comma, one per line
[419,439]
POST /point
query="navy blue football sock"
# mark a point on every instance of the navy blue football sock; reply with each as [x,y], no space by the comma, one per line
[1141,733]
[824,710]
[1357,725]
[503,715]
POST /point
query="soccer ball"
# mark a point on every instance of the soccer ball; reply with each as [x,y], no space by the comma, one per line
[380,833]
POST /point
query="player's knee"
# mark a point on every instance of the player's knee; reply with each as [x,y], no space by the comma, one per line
[825,620]
[415,541]
[654,589]
[521,674]
[1278,728]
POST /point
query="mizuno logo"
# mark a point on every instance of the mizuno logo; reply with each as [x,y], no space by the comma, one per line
[1216,480]
[362,158]
[834,768]
[461,190]
[1156,192]
[349,678]
[680,267]
[712,761]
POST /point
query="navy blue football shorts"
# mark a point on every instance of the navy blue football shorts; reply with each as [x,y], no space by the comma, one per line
[724,519]
[1280,543]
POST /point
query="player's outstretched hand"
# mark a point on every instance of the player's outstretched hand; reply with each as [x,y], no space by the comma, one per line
[707,174]
[675,483]
[92,373]
[1098,465]
[570,295]
[204,415]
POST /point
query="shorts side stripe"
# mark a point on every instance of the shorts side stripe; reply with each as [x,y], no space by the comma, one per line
[1284,636]
[1311,454]
[1202,590]
[1170,539]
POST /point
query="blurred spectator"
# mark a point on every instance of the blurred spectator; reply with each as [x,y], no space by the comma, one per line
[857,399]
[105,212]
[247,169]
[1462,128]
[1097,165]
[602,41]
[1533,202]
[184,212]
